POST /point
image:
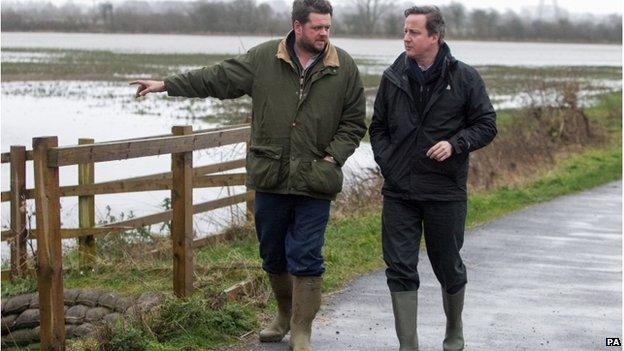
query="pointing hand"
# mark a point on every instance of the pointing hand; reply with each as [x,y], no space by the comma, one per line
[148,86]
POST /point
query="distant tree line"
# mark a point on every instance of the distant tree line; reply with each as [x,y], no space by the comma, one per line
[385,18]
[238,16]
[366,18]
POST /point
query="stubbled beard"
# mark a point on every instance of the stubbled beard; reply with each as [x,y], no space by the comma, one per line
[310,47]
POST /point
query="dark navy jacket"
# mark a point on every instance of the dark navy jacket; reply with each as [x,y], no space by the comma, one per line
[458,111]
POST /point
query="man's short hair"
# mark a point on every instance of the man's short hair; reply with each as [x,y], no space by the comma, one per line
[302,8]
[435,20]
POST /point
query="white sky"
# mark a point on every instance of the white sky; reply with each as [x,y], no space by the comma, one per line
[595,6]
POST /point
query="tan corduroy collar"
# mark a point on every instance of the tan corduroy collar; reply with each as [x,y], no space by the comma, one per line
[330,56]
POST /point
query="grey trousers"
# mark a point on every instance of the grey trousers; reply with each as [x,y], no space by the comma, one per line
[403,224]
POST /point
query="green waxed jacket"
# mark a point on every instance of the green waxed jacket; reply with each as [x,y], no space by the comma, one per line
[291,130]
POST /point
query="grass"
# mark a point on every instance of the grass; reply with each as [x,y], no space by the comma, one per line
[194,323]
[18,286]
[61,64]
[512,79]
[99,65]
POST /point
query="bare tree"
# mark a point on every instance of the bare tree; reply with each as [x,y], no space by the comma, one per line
[455,14]
[368,14]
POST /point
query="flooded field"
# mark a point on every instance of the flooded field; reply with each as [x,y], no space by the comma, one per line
[40,67]
[105,111]
[75,86]
[384,50]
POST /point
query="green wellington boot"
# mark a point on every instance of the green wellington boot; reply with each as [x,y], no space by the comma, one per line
[306,302]
[453,306]
[405,308]
[282,289]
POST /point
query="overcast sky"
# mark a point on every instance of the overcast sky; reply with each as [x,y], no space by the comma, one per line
[595,6]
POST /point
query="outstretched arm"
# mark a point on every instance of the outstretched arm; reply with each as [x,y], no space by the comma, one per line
[228,79]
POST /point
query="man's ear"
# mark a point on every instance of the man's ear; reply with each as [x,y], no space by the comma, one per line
[297,27]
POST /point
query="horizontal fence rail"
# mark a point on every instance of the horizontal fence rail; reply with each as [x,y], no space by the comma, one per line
[48,157]
[5,157]
[143,182]
[122,150]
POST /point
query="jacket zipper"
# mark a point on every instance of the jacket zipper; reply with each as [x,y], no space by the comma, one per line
[301,83]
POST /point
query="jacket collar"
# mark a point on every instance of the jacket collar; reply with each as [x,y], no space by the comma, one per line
[398,71]
[431,74]
[330,55]
[400,66]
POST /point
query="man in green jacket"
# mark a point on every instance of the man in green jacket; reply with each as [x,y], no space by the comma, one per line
[307,119]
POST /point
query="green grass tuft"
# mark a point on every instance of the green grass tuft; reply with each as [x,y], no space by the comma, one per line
[19,286]
[195,323]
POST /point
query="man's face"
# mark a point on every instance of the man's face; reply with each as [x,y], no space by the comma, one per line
[416,39]
[314,34]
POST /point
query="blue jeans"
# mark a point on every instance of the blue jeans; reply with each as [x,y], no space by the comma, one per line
[291,232]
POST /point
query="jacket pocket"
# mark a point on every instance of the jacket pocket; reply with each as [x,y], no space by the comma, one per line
[383,161]
[263,166]
[392,168]
[324,177]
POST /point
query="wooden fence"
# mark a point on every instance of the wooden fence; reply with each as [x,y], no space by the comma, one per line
[47,157]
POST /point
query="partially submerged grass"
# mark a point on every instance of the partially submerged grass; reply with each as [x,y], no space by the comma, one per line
[512,79]
[100,77]
[100,65]
[62,64]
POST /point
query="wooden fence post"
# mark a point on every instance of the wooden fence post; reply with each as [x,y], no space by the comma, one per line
[49,251]
[86,213]
[19,255]
[182,217]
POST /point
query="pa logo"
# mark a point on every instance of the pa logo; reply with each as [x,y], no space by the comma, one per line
[614,342]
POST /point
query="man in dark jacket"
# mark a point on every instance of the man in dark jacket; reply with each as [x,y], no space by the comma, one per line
[307,119]
[431,111]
